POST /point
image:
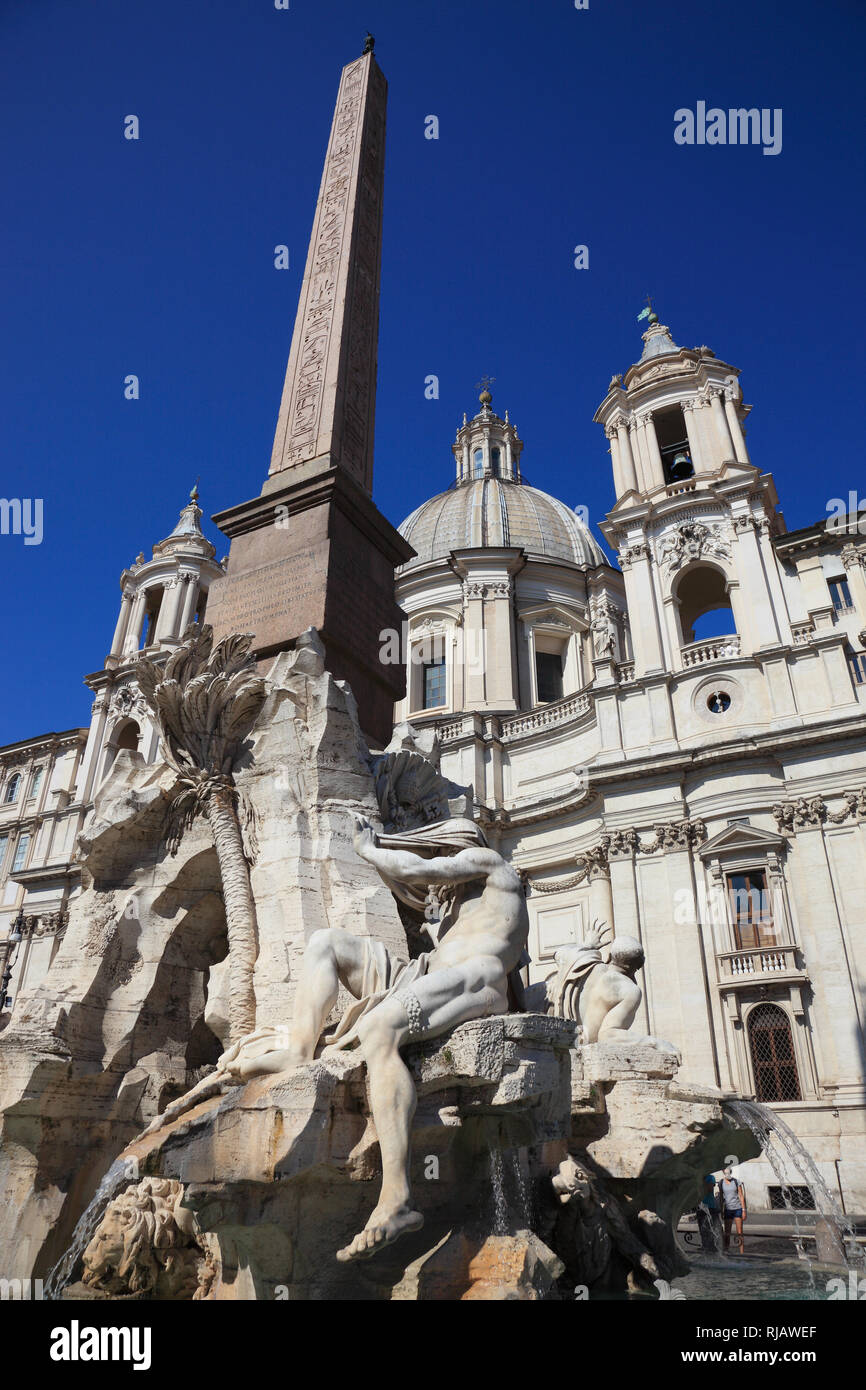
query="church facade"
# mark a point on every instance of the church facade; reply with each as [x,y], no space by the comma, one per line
[704,794]
[701,791]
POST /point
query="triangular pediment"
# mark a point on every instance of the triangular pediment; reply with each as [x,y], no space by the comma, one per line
[741,838]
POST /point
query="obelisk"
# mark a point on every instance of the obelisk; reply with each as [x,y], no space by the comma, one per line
[312,549]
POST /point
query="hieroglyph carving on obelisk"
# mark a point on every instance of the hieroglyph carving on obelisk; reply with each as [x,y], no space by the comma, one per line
[329,397]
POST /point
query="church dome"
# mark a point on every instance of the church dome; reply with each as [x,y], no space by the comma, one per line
[491,511]
[489,504]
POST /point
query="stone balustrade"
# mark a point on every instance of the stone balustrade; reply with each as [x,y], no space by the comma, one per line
[546,717]
[716,649]
[761,960]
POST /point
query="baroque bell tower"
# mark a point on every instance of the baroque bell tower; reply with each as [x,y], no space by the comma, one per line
[694,518]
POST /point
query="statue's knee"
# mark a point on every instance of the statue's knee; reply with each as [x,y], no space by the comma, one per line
[322,945]
[376,1033]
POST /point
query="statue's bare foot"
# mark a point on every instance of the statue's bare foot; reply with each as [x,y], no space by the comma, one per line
[384,1227]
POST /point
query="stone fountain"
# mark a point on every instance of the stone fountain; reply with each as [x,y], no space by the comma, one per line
[293,969]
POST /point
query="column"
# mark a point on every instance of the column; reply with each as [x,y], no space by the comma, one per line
[161,629]
[695,449]
[711,452]
[690,985]
[750,572]
[122,623]
[629,476]
[643,618]
[93,751]
[133,631]
[615,461]
[833,1008]
[600,895]
[635,432]
[736,429]
[856,578]
[721,420]
[169,613]
[189,580]
[645,468]
[658,468]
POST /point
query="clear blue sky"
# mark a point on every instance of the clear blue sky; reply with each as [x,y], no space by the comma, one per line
[556,129]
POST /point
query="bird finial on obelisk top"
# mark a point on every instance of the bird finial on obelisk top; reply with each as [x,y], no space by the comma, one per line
[369,43]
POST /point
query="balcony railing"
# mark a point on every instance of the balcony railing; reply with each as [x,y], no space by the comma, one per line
[545,717]
[716,649]
[759,962]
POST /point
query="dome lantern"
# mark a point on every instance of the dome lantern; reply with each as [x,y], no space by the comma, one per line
[492,506]
[487,446]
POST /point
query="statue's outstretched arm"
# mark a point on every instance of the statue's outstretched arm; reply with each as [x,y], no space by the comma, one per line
[406,867]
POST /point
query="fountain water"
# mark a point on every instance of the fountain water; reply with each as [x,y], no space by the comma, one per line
[513,1206]
[524,1192]
[117,1177]
[497,1189]
[779,1143]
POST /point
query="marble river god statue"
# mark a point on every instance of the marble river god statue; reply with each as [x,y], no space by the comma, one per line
[478,941]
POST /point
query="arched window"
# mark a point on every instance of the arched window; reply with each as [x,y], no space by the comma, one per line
[478,464]
[772,1049]
[704,605]
[128,736]
[13,787]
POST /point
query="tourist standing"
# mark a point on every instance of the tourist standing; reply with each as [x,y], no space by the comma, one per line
[731,1197]
[707,1213]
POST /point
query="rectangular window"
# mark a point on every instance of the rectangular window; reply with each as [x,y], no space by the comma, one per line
[20,853]
[751,910]
[784,1198]
[433,674]
[4,841]
[857,663]
[35,784]
[841,595]
[548,676]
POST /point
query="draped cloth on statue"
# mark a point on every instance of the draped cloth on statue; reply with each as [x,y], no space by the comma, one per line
[383,976]
[573,967]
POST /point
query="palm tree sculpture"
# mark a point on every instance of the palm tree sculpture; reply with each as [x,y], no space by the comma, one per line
[205,702]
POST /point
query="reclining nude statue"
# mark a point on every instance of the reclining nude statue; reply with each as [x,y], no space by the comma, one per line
[478,940]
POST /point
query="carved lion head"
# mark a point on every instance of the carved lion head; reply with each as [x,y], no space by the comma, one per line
[136,1239]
